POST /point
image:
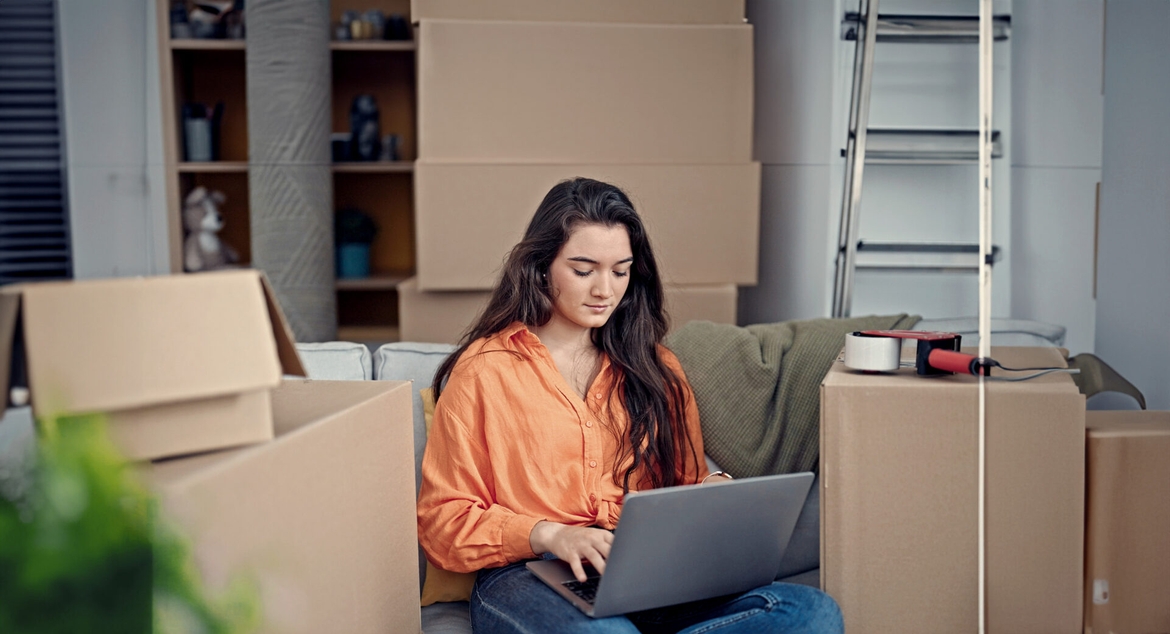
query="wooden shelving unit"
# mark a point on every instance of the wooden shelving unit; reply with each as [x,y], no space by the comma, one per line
[382,282]
[213,71]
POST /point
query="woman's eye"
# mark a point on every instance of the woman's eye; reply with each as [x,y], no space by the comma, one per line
[621,273]
[581,273]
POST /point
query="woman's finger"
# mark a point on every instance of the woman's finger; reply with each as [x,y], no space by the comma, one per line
[578,569]
[597,559]
[604,547]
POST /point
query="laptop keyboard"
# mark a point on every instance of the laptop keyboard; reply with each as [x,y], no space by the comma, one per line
[587,589]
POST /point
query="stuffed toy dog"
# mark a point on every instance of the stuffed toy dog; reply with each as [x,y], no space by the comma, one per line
[202,249]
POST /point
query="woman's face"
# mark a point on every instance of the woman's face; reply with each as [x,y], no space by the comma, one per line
[590,275]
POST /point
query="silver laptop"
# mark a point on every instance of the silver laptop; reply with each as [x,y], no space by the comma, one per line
[688,543]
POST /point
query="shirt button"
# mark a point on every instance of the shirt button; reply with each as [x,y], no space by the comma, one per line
[597,396]
[588,423]
[592,463]
[592,498]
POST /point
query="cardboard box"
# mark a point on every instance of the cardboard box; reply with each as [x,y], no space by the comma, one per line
[703,220]
[520,92]
[1127,528]
[621,11]
[899,499]
[322,517]
[180,364]
[443,316]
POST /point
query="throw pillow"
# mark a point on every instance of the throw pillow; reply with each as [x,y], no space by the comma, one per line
[442,585]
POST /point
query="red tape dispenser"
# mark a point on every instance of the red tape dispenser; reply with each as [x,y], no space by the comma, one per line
[938,352]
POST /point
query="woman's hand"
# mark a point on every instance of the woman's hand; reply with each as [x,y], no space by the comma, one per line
[572,544]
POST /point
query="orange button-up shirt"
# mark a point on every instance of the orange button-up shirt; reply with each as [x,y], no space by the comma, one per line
[512,444]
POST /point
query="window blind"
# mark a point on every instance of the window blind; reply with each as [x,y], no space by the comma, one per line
[34,227]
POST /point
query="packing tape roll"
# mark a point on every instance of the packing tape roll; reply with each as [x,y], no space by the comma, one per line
[872,354]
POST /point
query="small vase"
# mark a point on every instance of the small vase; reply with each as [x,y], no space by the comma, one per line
[353,260]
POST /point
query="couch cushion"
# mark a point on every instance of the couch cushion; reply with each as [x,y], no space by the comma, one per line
[417,362]
[336,360]
[447,618]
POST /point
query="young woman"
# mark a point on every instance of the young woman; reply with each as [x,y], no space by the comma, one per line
[560,400]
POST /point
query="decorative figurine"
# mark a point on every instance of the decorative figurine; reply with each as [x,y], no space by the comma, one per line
[202,249]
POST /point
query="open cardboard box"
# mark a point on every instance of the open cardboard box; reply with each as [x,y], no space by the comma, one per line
[179,364]
[322,518]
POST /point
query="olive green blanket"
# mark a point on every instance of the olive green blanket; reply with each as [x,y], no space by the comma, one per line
[758,388]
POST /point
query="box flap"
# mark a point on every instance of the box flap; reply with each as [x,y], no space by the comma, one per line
[105,345]
[286,346]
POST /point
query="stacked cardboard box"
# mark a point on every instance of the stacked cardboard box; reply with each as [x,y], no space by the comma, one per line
[305,488]
[899,499]
[1127,528]
[655,97]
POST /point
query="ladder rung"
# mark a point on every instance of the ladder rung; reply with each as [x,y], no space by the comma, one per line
[890,145]
[920,256]
[928,29]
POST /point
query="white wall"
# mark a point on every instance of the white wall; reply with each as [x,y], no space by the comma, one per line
[795,49]
[110,85]
[1133,274]
[1058,109]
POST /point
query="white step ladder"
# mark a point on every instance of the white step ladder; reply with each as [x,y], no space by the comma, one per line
[900,146]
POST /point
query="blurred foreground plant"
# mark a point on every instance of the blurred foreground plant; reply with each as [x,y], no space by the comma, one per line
[82,548]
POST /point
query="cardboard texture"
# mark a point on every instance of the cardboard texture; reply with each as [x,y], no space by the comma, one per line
[899,499]
[516,92]
[1127,528]
[443,316]
[178,363]
[621,11]
[703,220]
[322,517]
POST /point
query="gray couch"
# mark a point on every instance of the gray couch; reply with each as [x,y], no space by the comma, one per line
[418,362]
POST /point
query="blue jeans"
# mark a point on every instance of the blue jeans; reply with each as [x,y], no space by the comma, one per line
[511,599]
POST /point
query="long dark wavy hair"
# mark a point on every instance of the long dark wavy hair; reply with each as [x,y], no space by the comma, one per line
[651,392]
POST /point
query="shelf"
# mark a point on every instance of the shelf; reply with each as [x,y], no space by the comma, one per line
[216,167]
[207,45]
[374,45]
[378,334]
[372,283]
[374,167]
